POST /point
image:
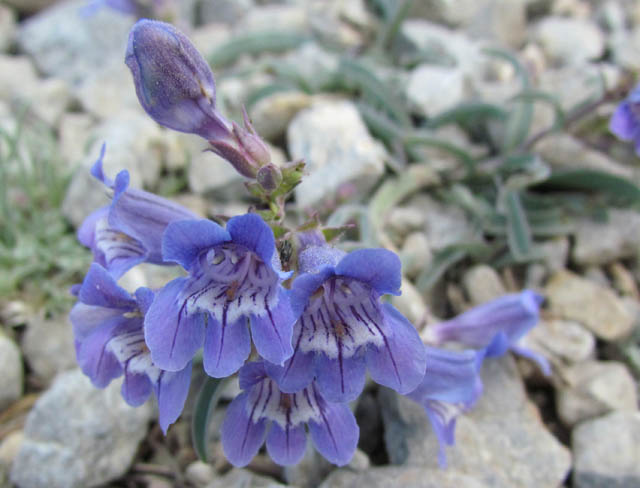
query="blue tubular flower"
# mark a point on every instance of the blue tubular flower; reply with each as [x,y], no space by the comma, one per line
[450,387]
[343,329]
[495,326]
[233,277]
[332,427]
[173,81]
[109,339]
[625,122]
[129,231]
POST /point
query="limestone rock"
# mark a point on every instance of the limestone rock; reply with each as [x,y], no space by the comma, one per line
[595,388]
[596,307]
[501,442]
[77,436]
[606,451]
[338,149]
[12,374]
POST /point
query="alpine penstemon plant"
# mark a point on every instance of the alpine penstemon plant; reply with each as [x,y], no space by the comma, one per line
[301,332]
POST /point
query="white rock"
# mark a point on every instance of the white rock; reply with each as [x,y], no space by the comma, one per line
[74,130]
[415,254]
[503,21]
[78,436]
[447,44]
[106,92]
[7,27]
[433,89]
[224,11]
[274,17]
[48,99]
[595,388]
[483,283]
[210,36]
[606,451]
[410,304]
[134,142]
[602,242]
[460,12]
[501,442]
[563,151]
[596,307]
[67,44]
[12,374]
[200,473]
[48,347]
[567,40]
[409,476]
[561,341]
[444,224]
[337,148]
[9,447]
[271,115]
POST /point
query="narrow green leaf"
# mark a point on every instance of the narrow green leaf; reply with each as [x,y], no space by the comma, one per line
[255,43]
[587,180]
[538,95]
[205,405]
[356,75]
[466,112]
[518,230]
[447,257]
[392,26]
[418,139]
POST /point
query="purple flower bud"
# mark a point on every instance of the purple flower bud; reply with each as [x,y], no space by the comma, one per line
[269,177]
[173,81]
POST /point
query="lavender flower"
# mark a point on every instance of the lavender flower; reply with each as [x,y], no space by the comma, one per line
[332,426]
[233,278]
[129,231]
[108,331]
[450,387]
[495,326]
[343,329]
[625,122]
[176,87]
[173,81]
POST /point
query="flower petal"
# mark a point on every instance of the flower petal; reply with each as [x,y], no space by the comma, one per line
[272,332]
[172,334]
[226,346]
[335,434]
[136,388]
[379,268]
[251,231]
[99,288]
[443,421]
[241,438]
[86,232]
[623,123]
[286,446]
[184,240]
[304,286]
[537,358]
[250,374]
[99,364]
[401,361]
[144,216]
[171,390]
[296,373]
[451,377]
[340,379]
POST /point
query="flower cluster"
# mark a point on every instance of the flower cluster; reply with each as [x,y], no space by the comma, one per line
[301,335]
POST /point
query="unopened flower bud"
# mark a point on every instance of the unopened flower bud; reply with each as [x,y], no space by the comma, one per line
[269,177]
[173,81]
